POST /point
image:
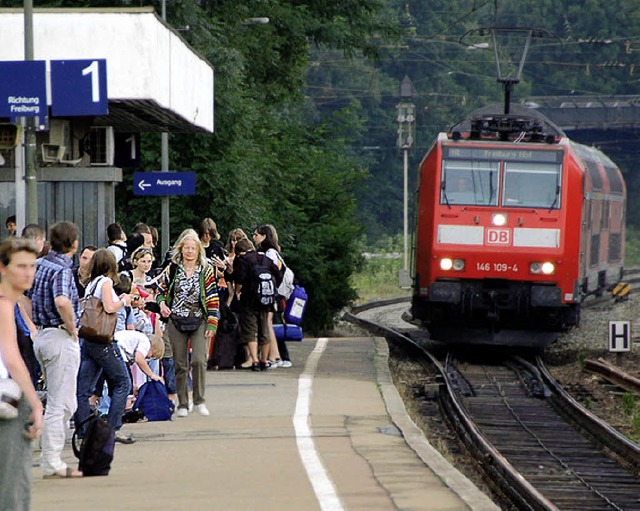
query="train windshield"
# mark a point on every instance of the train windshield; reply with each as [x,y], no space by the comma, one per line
[531,185]
[470,182]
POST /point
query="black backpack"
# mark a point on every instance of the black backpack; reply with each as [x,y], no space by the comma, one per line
[266,278]
[95,452]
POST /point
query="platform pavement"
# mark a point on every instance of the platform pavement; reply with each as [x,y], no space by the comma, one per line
[246,456]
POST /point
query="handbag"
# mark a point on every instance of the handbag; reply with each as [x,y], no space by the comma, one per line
[187,324]
[96,324]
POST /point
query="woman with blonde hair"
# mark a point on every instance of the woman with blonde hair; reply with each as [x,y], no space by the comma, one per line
[188,296]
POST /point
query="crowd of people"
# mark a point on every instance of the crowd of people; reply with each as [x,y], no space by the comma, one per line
[167,314]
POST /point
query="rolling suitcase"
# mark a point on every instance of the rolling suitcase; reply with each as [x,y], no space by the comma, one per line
[224,350]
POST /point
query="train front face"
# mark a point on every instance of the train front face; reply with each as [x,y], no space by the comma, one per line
[497,250]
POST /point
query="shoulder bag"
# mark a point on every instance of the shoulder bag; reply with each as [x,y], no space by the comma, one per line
[96,324]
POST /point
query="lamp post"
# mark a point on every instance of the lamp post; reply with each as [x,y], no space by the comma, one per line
[406,132]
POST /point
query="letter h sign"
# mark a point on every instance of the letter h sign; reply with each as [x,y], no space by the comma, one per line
[619,336]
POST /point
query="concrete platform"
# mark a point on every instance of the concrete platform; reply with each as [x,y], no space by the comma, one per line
[323,435]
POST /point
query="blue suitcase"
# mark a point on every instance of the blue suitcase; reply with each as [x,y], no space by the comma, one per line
[296,305]
[288,332]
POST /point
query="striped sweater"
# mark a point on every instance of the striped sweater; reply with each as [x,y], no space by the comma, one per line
[209,299]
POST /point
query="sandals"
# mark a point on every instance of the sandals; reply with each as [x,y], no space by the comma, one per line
[68,473]
[124,439]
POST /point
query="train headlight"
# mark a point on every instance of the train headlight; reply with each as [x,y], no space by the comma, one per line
[546,268]
[447,264]
[498,219]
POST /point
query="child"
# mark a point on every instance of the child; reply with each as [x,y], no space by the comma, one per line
[136,344]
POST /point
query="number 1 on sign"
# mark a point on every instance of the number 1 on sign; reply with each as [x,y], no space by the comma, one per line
[95,83]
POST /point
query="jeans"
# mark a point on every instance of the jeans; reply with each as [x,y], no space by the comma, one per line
[169,374]
[59,357]
[97,359]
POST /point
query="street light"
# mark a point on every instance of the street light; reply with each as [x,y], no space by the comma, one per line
[406,132]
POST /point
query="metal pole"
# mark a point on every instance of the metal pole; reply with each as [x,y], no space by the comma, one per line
[406,209]
[164,167]
[31,183]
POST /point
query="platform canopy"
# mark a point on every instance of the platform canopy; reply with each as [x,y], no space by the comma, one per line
[155,80]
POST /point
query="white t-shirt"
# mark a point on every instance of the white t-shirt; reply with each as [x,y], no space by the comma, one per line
[130,341]
[117,250]
[4,372]
[98,282]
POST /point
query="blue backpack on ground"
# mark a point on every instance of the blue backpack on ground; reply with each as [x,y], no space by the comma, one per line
[296,305]
[153,402]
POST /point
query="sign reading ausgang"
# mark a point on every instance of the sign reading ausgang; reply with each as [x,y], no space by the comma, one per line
[23,90]
[164,183]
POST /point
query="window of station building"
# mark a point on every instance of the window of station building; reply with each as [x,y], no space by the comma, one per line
[532,185]
[470,182]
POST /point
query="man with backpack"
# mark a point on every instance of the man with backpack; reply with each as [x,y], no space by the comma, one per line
[256,280]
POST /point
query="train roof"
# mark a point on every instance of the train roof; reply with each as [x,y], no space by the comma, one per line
[491,122]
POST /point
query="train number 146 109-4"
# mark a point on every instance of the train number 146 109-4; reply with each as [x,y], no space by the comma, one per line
[497,267]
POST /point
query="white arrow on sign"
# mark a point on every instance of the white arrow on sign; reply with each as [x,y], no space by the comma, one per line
[142,185]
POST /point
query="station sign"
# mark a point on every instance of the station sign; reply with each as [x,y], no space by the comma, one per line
[23,90]
[126,150]
[164,183]
[619,336]
[79,87]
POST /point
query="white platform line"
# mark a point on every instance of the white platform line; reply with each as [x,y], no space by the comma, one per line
[322,485]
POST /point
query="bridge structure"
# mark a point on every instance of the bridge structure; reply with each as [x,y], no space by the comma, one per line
[611,123]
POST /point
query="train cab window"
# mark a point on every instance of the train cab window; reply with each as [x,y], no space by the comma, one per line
[469,182]
[531,185]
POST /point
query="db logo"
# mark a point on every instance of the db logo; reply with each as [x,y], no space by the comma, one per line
[498,236]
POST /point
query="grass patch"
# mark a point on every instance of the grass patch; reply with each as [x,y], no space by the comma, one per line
[378,278]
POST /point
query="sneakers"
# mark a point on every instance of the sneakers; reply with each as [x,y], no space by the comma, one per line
[286,363]
[182,412]
[203,410]
[265,366]
[275,363]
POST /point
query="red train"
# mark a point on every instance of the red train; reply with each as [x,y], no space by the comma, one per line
[516,225]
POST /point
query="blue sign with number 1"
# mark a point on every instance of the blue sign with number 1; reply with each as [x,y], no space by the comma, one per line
[79,87]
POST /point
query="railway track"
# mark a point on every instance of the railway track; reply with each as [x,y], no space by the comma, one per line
[548,452]
[533,442]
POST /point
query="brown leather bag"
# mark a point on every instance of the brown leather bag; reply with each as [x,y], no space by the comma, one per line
[96,324]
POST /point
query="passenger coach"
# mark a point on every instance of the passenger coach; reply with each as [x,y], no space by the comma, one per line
[515,225]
